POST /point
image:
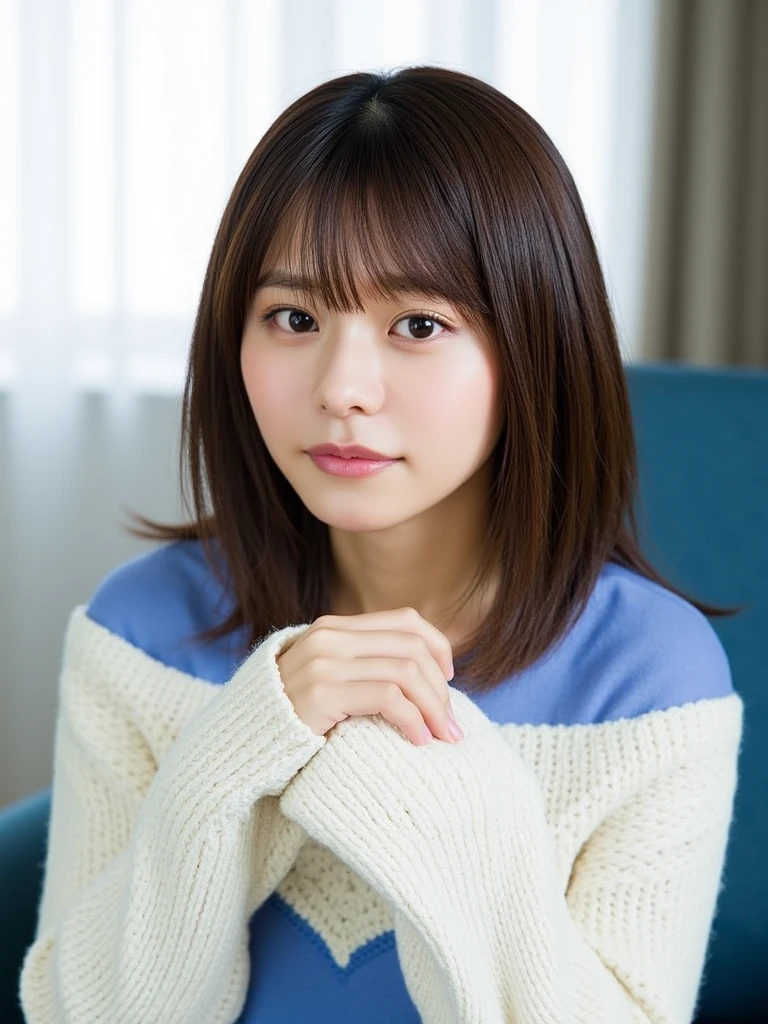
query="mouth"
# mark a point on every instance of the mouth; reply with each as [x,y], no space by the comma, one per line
[350,452]
[350,466]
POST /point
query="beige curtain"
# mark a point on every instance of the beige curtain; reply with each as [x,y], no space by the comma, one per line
[706,281]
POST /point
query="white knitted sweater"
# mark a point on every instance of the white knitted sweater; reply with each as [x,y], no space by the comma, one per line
[533,874]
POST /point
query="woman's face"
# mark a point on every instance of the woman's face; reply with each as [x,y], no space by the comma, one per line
[392,378]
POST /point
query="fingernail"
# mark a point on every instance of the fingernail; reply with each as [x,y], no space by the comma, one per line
[454,728]
[426,736]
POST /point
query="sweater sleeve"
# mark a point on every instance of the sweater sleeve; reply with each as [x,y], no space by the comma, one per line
[152,874]
[489,926]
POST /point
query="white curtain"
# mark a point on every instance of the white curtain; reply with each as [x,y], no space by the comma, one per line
[123,126]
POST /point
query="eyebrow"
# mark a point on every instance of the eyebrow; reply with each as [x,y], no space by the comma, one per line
[282,279]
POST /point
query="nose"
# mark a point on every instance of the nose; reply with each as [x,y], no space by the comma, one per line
[349,372]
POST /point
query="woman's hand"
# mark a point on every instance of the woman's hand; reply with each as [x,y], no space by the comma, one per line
[392,663]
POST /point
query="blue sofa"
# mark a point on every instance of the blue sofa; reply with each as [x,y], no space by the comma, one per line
[703,448]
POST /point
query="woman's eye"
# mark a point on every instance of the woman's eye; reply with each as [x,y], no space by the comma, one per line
[420,325]
[295,322]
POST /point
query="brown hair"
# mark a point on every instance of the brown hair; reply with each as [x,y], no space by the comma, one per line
[434,176]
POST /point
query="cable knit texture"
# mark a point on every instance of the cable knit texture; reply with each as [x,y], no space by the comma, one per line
[533,874]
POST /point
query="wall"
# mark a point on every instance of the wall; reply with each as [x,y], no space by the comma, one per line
[53,560]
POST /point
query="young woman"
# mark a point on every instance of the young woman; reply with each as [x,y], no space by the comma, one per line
[248,823]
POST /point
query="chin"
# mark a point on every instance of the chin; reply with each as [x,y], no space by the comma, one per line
[366,519]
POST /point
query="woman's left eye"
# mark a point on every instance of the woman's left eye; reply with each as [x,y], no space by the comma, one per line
[421,324]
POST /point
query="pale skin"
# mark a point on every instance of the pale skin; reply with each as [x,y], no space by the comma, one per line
[423,392]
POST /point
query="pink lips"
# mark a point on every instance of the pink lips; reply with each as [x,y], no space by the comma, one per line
[348,451]
[351,467]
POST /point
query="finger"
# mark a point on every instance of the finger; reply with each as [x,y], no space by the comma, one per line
[399,619]
[371,697]
[381,643]
[409,675]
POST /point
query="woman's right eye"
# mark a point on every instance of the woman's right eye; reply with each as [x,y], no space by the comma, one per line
[295,323]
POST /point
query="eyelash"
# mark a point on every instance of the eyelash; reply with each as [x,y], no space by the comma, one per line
[272,313]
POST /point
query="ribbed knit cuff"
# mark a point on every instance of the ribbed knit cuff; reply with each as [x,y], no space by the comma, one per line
[249,737]
[375,798]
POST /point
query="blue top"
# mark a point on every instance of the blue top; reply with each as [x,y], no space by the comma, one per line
[635,648]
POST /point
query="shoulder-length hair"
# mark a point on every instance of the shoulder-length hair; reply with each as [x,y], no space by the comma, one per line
[433,176]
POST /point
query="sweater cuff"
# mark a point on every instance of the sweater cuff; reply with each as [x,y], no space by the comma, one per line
[378,801]
[248,737]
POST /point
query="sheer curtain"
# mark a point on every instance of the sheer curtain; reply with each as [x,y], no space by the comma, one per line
[707,252]
[123,126]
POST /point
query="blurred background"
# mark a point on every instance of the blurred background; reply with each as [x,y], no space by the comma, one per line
[123,126]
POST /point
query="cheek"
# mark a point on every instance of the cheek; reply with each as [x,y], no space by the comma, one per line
[268,390]
[456,403]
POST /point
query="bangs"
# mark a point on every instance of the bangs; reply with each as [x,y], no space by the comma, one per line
[372,223]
